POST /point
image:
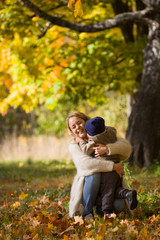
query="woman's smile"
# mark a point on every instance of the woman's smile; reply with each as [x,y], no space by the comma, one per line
[76,125]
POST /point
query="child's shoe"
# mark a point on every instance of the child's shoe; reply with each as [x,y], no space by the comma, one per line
[131,196]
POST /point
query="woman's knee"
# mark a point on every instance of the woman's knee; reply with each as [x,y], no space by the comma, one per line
[93,180]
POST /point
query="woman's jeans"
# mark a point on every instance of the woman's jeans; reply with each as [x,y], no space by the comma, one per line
[90,196]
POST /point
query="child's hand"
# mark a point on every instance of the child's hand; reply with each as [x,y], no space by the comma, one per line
[100,149]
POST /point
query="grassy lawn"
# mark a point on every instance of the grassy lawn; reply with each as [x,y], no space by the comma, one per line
[23,175]
[34,200]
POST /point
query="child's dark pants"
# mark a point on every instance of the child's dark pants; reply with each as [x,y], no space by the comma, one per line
[111,188]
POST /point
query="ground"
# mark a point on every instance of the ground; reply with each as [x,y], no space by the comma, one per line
[34,198]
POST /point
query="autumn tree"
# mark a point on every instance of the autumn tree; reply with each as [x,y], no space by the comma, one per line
[133,18]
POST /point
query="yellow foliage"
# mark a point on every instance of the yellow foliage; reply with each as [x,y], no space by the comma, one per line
[51,227]
[71,3]
[16,204]
[65,237]
[48,61]
[22,196]
[64,63]
[5,58]
[4,108]
[144,235]
[21,164]
[36,237]
[45,213]
[35,19]
[78,9]
[8,80]
[78,12]
[34,203]
[78,4]
[83,35]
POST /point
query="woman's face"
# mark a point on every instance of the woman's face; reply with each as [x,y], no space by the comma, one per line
[76,125]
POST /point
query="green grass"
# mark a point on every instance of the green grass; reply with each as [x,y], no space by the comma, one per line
[14,175]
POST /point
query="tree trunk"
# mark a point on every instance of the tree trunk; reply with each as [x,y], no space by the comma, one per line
[144,122]
[127,28]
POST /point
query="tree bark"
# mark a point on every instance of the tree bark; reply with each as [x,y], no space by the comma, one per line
[141,28]
[144,122]
[127,28]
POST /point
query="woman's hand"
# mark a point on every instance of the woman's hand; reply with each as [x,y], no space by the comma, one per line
[100,149]
[118,167]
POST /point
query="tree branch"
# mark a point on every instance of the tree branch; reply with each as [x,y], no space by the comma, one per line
[107,24]
[152,3]
[48,24]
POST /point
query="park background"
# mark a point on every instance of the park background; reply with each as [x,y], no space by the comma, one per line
[54,59]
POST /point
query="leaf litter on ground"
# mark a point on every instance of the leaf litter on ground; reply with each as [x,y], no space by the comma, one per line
[29,211]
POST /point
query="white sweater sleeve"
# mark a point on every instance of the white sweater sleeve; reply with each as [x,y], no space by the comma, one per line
[87,165]
[121,147]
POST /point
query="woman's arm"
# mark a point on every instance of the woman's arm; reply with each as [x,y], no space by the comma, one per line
[87,165]
[121,147]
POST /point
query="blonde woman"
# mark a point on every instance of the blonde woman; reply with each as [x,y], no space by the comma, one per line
[86,184]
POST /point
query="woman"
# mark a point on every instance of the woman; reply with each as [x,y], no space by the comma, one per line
[86,183]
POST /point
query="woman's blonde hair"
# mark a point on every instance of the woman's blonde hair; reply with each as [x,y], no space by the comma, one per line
[76,114]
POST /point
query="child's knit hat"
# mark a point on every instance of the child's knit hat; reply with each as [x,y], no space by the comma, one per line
[95,126]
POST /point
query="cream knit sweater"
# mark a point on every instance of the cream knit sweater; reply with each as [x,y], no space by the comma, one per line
[87,165]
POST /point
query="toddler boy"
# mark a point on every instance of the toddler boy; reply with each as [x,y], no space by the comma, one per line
[111,183]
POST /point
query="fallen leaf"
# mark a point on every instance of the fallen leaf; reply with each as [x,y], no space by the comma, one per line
[115,229]
[143,235]
[36,237]
[124,222]
[78,219]
[23,196]
[67,230]
[32,204]
[16,204]
[26,237]
[35,223]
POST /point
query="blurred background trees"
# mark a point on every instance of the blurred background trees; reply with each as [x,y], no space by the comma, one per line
[47,70]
